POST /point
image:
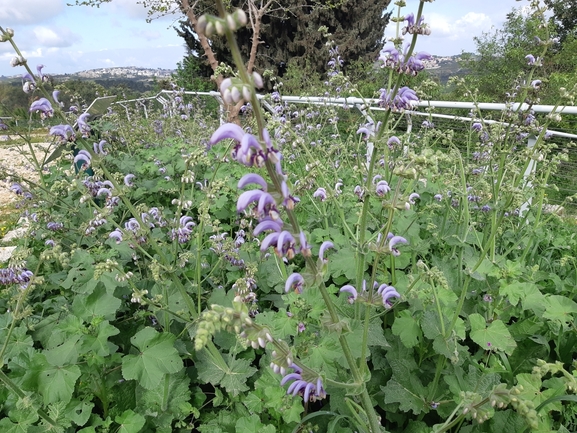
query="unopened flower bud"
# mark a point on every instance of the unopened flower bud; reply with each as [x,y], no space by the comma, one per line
[235,94]
[230,22]
[209,29]
[18,61]
[227,96]
[226,83]
[240,17]
[246,93]
[201,25]
[220,29]
[257,80]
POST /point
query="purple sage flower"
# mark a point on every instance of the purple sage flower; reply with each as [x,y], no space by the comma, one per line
[476,126]
[324,246]
[65,132]
[321,194]
[17,189]
[387,292]
[54,226]
[311,391]
[83,155]
[83,125]
[116,235]
[294,281]
[184,230]
[382,188]
[10,275]
[352,291]
[128,180]
[55,95]
[43,106]
[393,242]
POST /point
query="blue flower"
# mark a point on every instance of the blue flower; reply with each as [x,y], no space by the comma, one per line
[294,281]
[352,291]
[43,106]
[387,292]
[311,391]
[393,242]
[65,132]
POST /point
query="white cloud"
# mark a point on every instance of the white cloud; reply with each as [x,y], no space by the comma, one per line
[451,32]
[148,35]
[14,12]
[47,37]
[465,27]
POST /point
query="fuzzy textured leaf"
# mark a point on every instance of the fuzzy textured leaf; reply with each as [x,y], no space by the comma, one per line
[407,329]
[130,422]
[496,336]
[157,357]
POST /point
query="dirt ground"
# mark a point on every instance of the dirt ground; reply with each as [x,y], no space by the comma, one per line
[14,162]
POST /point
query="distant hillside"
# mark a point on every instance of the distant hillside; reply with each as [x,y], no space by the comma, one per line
[137,79]
[444,67]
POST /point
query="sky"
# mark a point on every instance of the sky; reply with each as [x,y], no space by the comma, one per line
[68,39]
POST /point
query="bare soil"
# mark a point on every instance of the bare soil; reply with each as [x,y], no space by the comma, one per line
[16,163]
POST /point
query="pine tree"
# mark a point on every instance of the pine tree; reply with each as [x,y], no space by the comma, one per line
[291,33]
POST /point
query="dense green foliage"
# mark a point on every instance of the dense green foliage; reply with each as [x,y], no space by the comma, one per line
[416,287]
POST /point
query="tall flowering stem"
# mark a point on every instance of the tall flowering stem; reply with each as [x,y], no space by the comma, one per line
[278,181]
[361,235]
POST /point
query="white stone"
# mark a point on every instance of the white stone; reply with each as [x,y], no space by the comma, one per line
[6,253]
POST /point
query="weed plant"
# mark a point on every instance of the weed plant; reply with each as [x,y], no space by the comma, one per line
[284,274]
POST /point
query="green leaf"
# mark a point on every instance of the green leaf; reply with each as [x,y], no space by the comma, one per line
[473,380]
[559,308]
[496,336]
[168,397]
[130,422]
[405,387]
[56,384]
[278,322]
[7,426]
[253,402]
[208,371]
[409,395]
[66,353]
[97,342]
[272,275]
[157,357]
[79,411]
[343,263]
[98,304]
[252,424]
[231,377]
[526,292]
[322,357]
[507,421]
[431,325]
[19,422]
[376,336]
[292,414]
[407,329]
[235,379]
[531,386]
[168,401]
